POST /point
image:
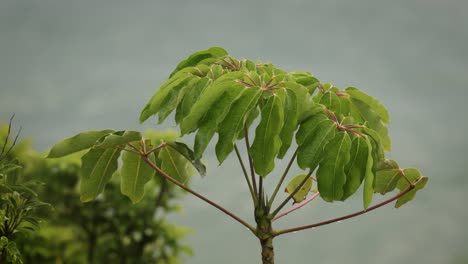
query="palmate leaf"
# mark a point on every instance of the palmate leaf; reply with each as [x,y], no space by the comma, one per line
[190,97]
[77,143]
[174,164]
[412,175]
[188,154]
[154,104]
[135,173]
[117,138]
[355,170]
[267,142]
[291,116]
[330,174]
[387,176]
[199,56]
[312,137]
[373,103]
[97,168]
[210,122]
[234,121]
[209,96]
[369,176]
[303,191]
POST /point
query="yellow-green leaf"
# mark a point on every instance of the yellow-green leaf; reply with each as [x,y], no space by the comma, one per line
[303,191]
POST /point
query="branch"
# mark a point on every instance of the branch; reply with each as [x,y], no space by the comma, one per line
[291,195]
[295,229]
[246,175]
[174,181]
[278,186]
[3,154]
[297,206]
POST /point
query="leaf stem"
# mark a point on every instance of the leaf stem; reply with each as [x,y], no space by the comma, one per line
[297,206]
[219,207]
[129,150]
[162,145]
[405,191]
[278,186]
[246,175]
[252,173]
[291,195]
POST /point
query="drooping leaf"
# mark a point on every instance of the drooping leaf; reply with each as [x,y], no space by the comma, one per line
[307,127]
[174,164]
[97,168]
[412,175]
[135,173]
[373,103]
[192,95]
[154,104]
[185,151]
[369,176]
[310,151]
[234,121]
[118,138]
[290,122]
[267,142]
[197,57]
[204,104]
[303,191]
[210,122]
[77,143]
[330,174]
[302,96]
[355,170]
[387,176]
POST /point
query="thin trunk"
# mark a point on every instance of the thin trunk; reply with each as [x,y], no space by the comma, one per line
[268,254]
[91,247]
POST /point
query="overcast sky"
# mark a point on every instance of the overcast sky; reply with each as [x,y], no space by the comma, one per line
[68,66]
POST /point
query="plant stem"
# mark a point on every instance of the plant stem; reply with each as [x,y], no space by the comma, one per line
[297,206]
[295,229]
[246,175]
[291,195]
[278,186]
[169,178]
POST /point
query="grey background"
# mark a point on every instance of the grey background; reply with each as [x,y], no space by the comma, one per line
[69,66]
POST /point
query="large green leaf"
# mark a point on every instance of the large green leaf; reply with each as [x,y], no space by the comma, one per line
[97,168]
[290,122]
[303,191]
[330,174]
[308,126]
[154,104]
[189,99]
[135,173]
[369,176]
[363,112]
[412,175]
[204,104]
[355,170]
[174,97]
[77,143]
[373,103]
[310,152]
[234,121]
[210,122]
[267,142]
[387,176]
[174,164]
[118,138]
[185,151]
[197,57]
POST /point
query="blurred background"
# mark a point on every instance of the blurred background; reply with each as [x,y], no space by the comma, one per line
[70,66]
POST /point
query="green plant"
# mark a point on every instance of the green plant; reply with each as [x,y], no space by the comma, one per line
[19,202]
[341,135]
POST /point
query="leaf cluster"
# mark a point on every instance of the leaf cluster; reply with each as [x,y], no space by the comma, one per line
[341,135]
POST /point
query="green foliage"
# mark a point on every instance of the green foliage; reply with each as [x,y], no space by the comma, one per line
[342,134]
